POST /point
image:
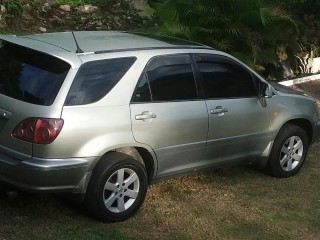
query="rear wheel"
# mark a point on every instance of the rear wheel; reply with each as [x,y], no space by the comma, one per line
[117,188]
[288,152]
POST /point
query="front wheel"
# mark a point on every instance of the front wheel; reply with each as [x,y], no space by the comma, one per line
[117,188]
[289,151]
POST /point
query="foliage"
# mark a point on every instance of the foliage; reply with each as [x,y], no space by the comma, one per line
[81,2]
[13,6]
[315,50]
[70,2]
[251,27]
[102,3]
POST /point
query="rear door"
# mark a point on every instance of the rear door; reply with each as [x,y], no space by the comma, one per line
[238,124]
[29,83]
[167,114]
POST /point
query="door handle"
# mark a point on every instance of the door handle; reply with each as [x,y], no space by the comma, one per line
[219,110]
[146,116]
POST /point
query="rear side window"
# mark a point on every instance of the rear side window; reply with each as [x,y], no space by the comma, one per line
[167,78]
[225,79]
[30,76]
[95,79]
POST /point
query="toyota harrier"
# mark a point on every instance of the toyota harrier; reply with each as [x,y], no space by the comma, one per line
[105,114]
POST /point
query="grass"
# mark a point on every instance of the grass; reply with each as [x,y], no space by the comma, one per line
[232,203]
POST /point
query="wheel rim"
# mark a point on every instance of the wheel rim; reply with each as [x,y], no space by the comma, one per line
[291,153]
[121,190]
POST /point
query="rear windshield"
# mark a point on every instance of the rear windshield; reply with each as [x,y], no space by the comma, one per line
[30,76]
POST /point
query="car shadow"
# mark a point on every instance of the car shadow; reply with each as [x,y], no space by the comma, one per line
[15,203]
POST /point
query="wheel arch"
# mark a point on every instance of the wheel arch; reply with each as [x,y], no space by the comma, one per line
[303,123]
[284,148]
[143,156]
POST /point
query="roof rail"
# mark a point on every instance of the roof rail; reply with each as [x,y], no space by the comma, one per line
[152,48]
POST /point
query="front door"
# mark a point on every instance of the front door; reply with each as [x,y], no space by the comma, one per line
[238,123]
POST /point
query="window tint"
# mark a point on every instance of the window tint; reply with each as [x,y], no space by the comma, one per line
[224,79]
[30,76]
[170,78]
[95,80]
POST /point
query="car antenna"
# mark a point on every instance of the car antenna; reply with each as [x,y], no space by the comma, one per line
[79,50]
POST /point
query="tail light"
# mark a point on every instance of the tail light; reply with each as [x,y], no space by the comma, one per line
[38,130]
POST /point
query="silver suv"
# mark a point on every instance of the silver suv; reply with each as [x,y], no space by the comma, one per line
[105,114]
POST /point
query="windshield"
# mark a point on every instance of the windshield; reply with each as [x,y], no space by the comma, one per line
[30,76]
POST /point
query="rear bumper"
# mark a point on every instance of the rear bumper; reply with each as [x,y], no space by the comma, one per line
[52,175]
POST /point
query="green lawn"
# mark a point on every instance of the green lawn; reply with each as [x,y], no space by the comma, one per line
[232,203]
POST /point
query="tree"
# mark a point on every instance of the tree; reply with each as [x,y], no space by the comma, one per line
[248,29]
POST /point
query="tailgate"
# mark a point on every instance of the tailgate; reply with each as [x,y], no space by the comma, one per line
[29,84]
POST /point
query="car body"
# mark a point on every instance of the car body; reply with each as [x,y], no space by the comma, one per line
[81,110]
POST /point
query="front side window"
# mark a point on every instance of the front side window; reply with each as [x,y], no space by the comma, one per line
[95,80]
[30,76]
[223,78]
[167,78]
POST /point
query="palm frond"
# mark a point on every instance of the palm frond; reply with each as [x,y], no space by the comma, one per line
[174,29]
[276,13]
[225,44]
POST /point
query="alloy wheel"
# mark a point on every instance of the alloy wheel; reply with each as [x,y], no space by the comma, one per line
[291,153]
[121,190]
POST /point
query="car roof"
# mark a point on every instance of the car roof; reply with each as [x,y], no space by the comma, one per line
[64,44]
[100,41]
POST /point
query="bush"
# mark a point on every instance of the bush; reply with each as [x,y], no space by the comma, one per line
[13,6]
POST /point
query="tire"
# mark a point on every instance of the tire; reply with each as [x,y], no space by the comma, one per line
[110,197]
[289,152]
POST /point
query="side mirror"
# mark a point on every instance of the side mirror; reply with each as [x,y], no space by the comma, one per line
[264,92]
